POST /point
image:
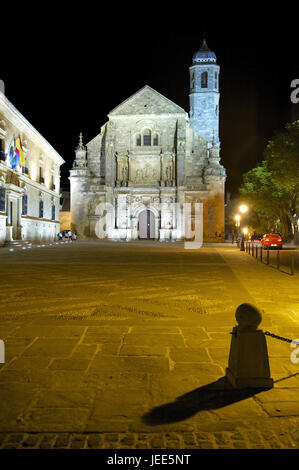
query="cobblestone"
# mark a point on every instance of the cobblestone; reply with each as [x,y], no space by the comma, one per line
[140,356]
[207,440]
[31,441]
[95,441]
[62,441]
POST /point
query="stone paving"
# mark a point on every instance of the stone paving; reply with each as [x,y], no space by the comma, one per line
[125,346]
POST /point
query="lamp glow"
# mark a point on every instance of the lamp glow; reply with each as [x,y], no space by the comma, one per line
[243,208]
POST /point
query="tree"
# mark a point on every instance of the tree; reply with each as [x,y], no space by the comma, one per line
[272,186]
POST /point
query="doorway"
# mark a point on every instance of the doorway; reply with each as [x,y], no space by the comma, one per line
[146,225]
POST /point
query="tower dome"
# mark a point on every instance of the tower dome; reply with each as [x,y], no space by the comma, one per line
[204,55]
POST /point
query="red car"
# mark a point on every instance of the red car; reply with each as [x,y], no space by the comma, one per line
[272,240]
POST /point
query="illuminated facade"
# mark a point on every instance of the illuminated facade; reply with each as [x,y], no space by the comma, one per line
[29,194]
[137,176]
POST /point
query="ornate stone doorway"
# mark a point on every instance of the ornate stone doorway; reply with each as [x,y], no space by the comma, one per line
[146,225]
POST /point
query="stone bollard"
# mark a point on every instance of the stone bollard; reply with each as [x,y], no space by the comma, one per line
[248,365]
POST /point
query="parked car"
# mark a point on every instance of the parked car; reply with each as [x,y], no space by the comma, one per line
[272,240]
[255,238]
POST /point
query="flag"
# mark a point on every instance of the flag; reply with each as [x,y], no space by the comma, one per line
[12,154]
[21,161]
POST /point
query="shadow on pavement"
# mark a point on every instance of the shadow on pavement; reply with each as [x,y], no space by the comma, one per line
[209,397]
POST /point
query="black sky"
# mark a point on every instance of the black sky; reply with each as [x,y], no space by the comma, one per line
[70,67]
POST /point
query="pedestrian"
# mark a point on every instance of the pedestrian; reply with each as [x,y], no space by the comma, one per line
[66,235]
[75,236]
[70,235]
[60,236]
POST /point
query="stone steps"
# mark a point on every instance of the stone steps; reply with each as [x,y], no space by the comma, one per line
[15,243]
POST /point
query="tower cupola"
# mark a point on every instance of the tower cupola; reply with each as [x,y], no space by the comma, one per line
[204,55]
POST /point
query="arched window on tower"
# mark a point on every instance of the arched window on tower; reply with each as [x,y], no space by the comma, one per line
[216,81]
[138,139]
[204,80]
[156,139]
[147,137]
[192,81]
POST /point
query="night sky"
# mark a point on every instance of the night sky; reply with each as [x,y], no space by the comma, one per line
[69,69]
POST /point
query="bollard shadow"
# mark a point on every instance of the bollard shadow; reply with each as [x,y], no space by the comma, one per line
[209,397]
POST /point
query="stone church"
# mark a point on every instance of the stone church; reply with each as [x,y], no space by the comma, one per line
[152,165]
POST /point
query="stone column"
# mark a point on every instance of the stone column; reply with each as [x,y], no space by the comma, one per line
[161,171]
[129,171]
[117,169]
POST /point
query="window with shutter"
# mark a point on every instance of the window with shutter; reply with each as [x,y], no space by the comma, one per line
[2,200]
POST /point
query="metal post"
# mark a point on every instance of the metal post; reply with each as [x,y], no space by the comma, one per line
[256,251]
[242,244]
[267,256]
[261,254]
[278,260]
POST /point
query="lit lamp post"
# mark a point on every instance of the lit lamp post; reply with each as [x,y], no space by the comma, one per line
[243,209]
[237,219]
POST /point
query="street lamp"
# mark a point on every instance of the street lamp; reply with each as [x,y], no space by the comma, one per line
[243,208]
[237,219]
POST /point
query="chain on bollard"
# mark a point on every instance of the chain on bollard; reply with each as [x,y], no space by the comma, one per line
[281,338]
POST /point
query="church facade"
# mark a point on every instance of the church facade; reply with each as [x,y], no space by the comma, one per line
[153,171]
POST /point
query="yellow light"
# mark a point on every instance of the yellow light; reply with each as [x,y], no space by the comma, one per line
[237,217]
[245,230]
[243,208]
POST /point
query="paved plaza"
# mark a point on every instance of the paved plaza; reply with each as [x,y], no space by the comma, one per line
[125,345]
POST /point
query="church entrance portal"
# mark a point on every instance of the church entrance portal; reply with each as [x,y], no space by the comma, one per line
[146,225]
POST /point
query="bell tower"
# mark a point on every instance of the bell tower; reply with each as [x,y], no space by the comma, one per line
[204,94]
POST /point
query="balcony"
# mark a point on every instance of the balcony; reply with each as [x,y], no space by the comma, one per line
[41,180]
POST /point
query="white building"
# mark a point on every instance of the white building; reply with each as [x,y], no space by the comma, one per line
[29,194]
[150,162]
